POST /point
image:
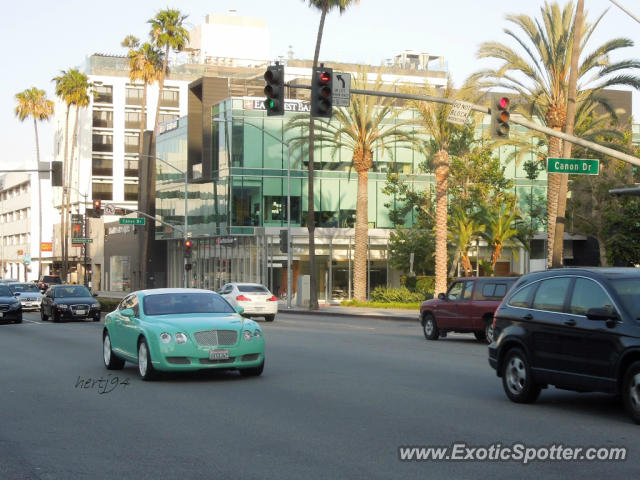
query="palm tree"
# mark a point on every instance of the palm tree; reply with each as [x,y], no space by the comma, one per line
[540,76]
[464,229]
[167,32]
[34,103]
[432,119]
[500,227]
[73,87]
[370,124]
[324,6]
[145,65]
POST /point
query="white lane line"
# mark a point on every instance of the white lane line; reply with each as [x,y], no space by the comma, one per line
[317,325]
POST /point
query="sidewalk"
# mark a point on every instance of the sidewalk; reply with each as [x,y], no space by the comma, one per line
[362,312]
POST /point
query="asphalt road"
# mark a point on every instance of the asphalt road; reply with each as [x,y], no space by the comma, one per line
[337,398]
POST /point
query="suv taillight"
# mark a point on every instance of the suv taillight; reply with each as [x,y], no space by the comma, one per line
[272,299]
[242,298]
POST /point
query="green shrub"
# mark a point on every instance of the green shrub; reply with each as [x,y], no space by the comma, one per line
[395,295]
[425,285]
[108,304]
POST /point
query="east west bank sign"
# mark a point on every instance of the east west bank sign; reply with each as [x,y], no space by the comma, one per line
[296,106]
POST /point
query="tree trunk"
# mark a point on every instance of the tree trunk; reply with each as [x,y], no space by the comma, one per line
[495,256]
[35,126]
[466,265]
[553,190]
[151,175]
[442,177]
[65,193]
[361,247]
[602,250]
[311,221]
[67,235]
[566,153]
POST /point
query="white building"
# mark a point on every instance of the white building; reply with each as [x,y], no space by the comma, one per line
[19,226]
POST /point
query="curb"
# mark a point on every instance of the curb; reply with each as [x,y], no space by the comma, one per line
[372,315]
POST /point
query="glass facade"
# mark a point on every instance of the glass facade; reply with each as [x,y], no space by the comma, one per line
[235,217]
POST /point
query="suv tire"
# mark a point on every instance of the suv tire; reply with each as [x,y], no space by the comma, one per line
[631,391]
[429,327]
[517,379]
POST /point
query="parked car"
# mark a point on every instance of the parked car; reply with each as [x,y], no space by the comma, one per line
[28,294]
[10,307]
[255,299]
[181,329]
[69,302]
[467,307]
[48,280]
[575,328]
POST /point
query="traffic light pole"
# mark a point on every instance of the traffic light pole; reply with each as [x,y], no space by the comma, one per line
[519,121]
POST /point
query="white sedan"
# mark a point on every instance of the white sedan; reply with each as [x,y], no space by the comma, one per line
[256,299]
[28,294]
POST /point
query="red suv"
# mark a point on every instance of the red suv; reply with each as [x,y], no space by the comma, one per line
[468,306]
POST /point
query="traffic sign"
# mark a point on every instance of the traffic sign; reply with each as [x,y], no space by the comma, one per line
[82,240]
[109,209]
[459,112]
[132,221]
[589,166]
[341,89]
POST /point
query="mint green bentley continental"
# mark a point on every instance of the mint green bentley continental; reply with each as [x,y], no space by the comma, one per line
[173,329]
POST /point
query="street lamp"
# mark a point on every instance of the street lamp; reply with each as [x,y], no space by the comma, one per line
[186,216]
[289,253]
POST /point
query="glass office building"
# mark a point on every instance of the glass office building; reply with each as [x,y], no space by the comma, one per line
[256,182]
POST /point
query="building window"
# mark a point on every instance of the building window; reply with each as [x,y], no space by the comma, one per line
[102,143]
[167,117]
[131,192]
[103,94]
[132,119]
[170,98]
[102,166]
[103,119]
[131,167]
[102,191]
[131,143]
[134,96]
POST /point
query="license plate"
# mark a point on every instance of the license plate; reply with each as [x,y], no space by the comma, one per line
[1,314]
[218,354]
[81,312]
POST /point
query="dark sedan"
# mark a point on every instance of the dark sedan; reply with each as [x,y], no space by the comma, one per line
[69,302]
[10,306]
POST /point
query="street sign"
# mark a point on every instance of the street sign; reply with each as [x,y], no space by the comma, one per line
[590,166]
[109,209]
[132,221]
[82,240]
[341,89]
[459,112]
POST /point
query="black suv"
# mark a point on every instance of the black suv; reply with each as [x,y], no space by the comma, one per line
[48,280]
[574,328]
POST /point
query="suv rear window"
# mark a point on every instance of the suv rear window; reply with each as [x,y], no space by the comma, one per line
[51,279]
[493,290]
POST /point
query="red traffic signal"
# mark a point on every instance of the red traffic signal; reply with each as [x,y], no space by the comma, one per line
[500,117]
[322,92]
[187,248]
[97,208]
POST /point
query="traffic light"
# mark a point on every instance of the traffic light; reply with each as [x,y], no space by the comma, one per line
[284,241]
[500,117]
[274,91]
[187,248]
[56,174]
[321,92]
[97,208]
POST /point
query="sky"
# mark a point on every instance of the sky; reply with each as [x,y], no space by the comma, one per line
[46,37]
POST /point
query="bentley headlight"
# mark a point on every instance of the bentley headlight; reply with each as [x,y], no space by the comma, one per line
[165,337]
[181,337]
[247,335]
[257,334]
